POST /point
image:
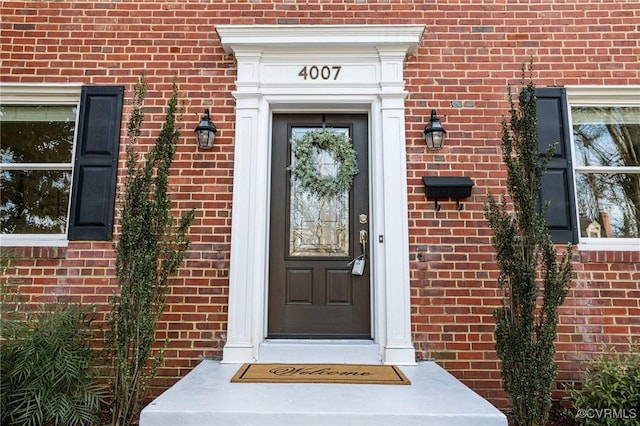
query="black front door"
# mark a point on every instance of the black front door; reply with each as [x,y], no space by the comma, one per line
[312,290]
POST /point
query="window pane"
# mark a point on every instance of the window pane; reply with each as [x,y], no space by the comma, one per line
[609,205]
[34,201]
[318,225]
[37,134]
[606,136]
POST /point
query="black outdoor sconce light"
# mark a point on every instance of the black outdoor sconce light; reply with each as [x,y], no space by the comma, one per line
[206,131]
[447,187]
[434,133]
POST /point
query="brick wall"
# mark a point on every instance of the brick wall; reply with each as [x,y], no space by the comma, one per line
[470,52]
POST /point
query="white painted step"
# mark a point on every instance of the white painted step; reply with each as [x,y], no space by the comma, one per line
[206,397]
[319,351]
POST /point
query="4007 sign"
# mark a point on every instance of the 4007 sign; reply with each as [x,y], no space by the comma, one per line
[320,72]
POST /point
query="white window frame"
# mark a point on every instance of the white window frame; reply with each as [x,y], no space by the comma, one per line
[42,94]
[585,96]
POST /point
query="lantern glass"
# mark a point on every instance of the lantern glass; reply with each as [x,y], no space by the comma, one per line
[205,138]
[434,134]
[205,132]
[435,139]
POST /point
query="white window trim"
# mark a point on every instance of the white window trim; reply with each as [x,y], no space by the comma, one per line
[41,94]
[601,96]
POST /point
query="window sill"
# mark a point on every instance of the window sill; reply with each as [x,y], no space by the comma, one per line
[33,241]
[609,244]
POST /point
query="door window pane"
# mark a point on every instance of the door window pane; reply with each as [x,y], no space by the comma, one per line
[318,225]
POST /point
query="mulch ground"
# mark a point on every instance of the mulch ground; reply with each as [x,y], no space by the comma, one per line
[557,417]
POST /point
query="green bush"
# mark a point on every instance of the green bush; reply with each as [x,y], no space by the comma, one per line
[45,366]
[610,392]
[149,251]
[533,280]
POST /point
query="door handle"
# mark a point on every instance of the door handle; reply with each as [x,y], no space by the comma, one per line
[364,238]
[359,262]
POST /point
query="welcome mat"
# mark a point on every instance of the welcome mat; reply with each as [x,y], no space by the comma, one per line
[321,373]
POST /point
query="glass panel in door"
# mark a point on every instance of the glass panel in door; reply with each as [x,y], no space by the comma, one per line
[318,225]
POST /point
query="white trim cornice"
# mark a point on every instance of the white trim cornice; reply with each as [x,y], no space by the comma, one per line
[603,95]
[235,37]
[40,93]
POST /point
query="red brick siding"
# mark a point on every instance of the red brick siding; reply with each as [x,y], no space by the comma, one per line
[470,52]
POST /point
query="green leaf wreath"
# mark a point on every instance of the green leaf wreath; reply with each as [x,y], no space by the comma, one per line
[304,169]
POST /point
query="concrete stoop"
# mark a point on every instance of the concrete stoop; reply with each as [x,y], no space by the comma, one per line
[206,397]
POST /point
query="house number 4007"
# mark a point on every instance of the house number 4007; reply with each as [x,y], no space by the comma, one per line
[324,72]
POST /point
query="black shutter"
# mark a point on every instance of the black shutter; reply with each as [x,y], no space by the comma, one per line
[557,183]
[96,163]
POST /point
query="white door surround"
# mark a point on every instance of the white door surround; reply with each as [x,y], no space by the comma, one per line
[320,68]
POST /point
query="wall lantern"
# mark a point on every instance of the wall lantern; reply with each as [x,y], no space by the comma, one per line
[434,133]
[206,131]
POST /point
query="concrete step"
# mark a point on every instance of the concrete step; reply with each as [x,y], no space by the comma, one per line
[206,397]
[319,351]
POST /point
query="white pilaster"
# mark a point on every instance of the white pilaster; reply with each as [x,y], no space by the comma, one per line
[398,346]
[245,262]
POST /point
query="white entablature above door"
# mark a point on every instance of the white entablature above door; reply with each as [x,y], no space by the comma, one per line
[317,57]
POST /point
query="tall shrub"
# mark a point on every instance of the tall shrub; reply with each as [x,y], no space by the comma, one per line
[149,251]
[534,282]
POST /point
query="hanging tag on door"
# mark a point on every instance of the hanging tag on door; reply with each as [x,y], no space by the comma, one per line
[358,265]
